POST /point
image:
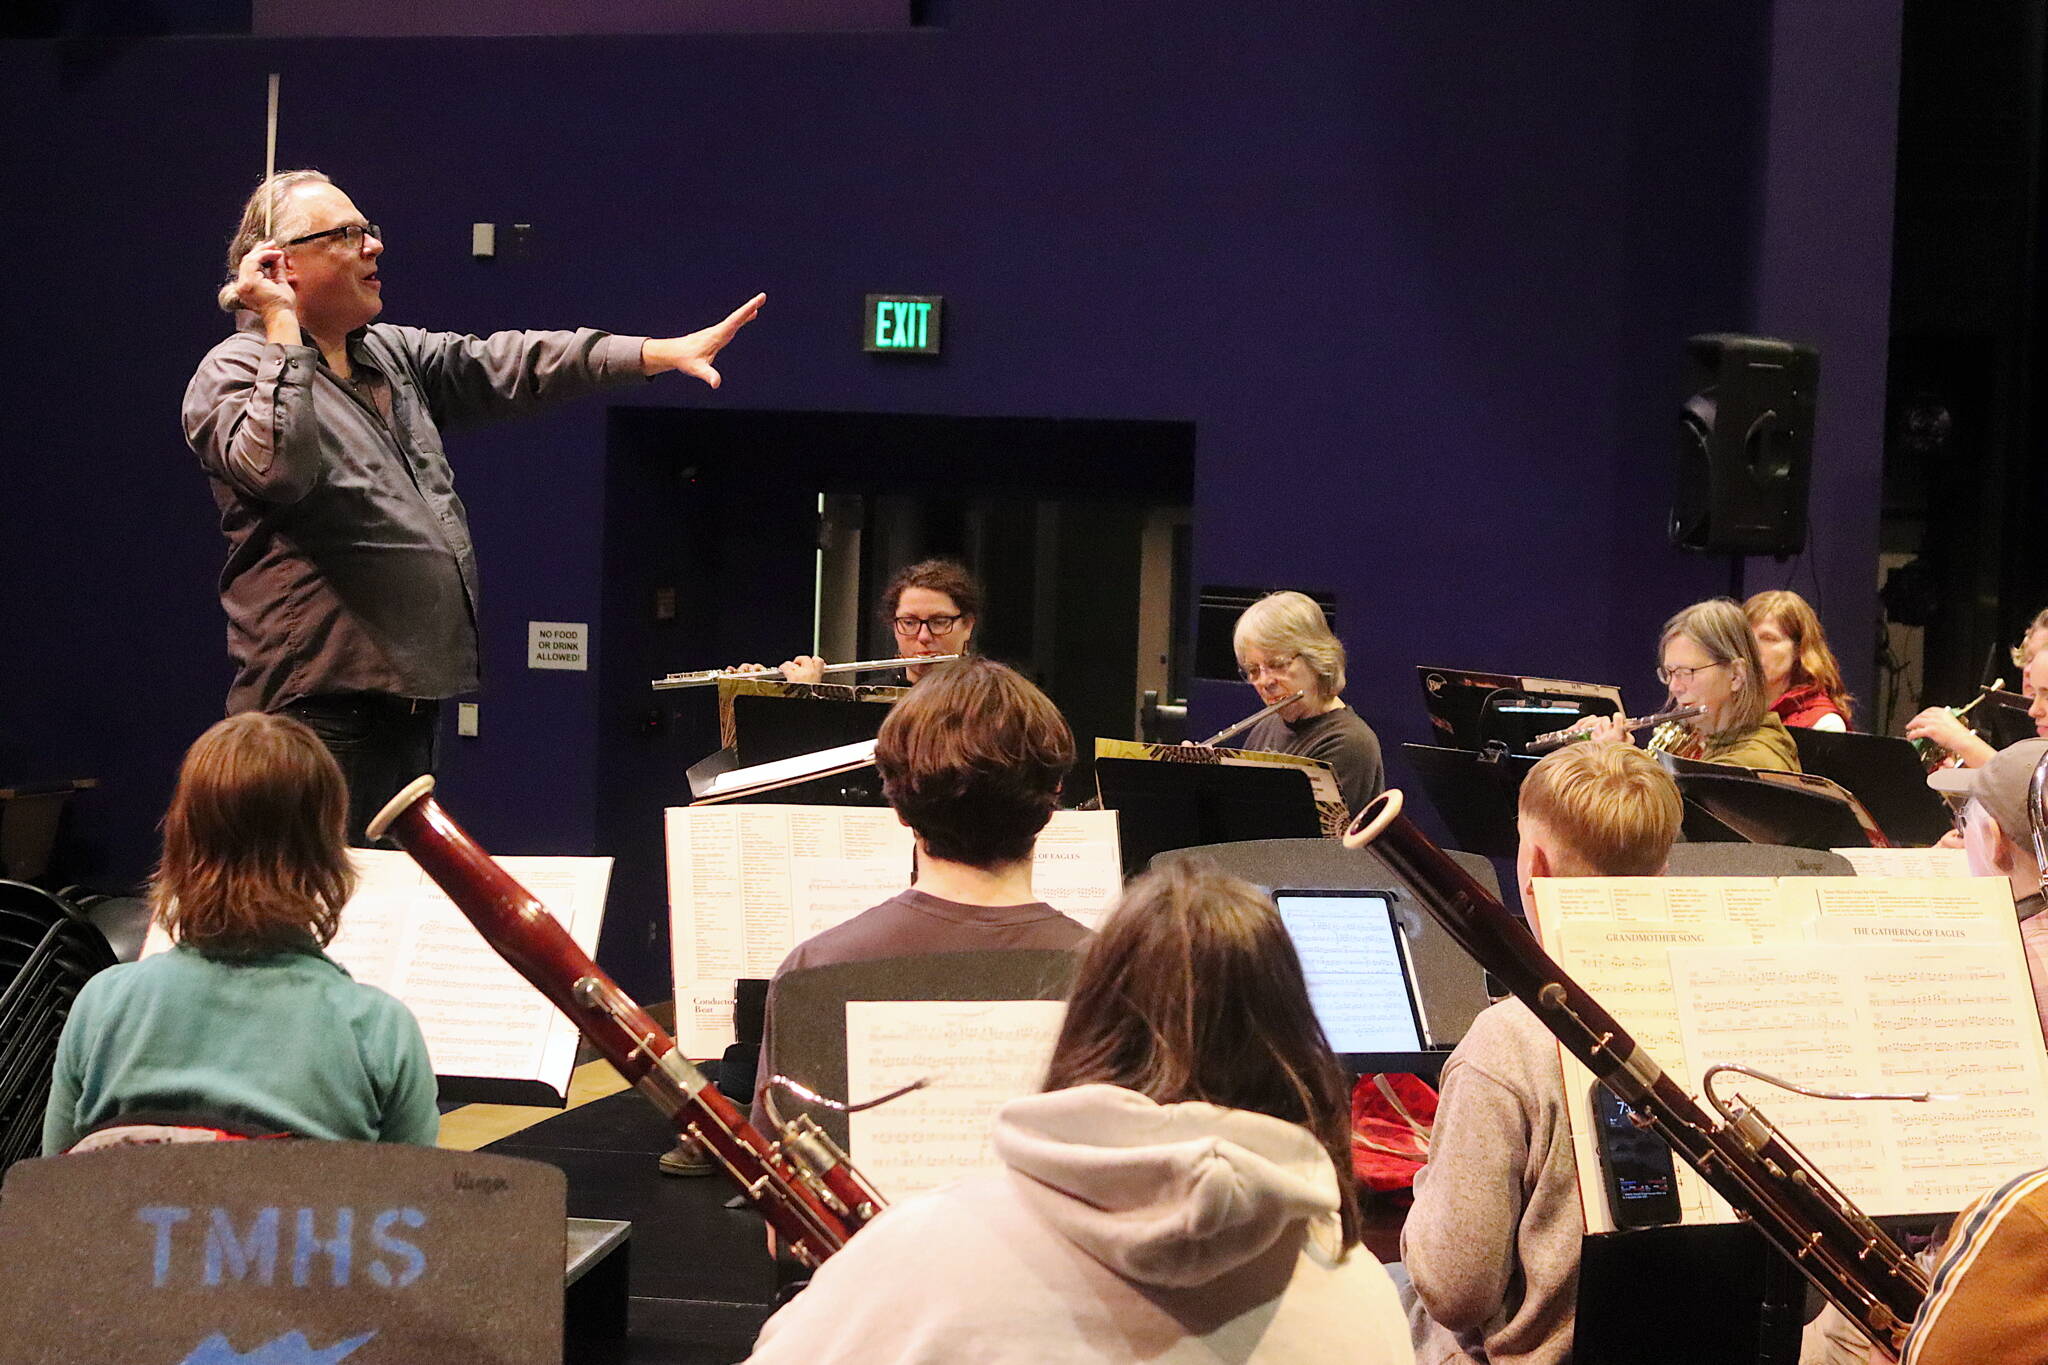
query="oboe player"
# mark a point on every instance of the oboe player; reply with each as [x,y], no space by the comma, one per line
[1284,645]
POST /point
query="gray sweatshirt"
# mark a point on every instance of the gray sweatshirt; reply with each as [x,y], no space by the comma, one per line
[1493,1240]
[1119,1231]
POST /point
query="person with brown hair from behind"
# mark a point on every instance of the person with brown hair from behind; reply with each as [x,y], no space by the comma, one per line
[1179,1193]
[972,761]
[246,1025]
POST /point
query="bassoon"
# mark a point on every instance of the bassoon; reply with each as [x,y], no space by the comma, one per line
[1740,1153]
[802,1183]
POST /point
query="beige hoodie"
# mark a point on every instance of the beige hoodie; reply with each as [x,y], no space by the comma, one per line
[1120,1230]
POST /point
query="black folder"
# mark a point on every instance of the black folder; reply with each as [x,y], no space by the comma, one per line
[1762,810]
[1162,806]
[1475,793]
[1883,773]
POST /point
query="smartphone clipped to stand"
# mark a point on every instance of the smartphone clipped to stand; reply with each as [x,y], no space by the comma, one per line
[1635,1165]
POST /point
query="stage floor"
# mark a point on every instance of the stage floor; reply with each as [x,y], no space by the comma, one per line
[701,1280]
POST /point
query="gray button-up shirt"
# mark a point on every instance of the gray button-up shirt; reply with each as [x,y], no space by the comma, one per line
[350,567]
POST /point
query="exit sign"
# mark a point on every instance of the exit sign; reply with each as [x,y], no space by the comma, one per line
[904,323]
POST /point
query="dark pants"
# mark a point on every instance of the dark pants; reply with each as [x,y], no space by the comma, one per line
[381,742]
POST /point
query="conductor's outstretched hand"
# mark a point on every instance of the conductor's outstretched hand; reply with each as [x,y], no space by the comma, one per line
[694,353]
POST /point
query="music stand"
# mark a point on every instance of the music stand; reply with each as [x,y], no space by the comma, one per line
[767,728]
[1474,791]
[1469,709]
[810,1008]
[1713,1278]
[1883,773]
[828,784]
[2006,721]
[1163,806]
[1449,985]
[1764,811]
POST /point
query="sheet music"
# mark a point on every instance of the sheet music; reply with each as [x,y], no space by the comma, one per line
[785,770]
[748,882]
[1907,862]
[1763,908]
[1357,982]
[1948,1019]
[1881,984]
[401,934]
[978,1055]
[1627,968]
[1077,867]
[1949,900]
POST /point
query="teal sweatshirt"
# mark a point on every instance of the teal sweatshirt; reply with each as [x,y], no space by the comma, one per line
[287,1043]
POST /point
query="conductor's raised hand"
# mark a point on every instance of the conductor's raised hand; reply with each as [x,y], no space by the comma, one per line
[694,353]
[260,284]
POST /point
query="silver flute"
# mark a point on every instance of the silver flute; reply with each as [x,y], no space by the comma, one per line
[712,676]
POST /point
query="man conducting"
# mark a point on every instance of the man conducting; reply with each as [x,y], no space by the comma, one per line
[351,585]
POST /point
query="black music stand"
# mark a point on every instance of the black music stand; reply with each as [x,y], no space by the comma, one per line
[1162,806]
[769,728]
[1762,811]
[1469,709]
[842,785]
[1883,773]
[1474,791]
[1708,1294]
[2005,718]
[1739,858]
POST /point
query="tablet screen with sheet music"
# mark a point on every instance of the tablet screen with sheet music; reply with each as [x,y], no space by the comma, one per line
[1356,962]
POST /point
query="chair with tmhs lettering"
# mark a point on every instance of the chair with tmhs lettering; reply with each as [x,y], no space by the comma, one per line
[47,951]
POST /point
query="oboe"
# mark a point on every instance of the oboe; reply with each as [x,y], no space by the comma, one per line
[803,1185]
[1557,739]
[707,677]
[1747,1161]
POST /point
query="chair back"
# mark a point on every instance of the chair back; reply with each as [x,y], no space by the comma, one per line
[283,1251]
[47,952]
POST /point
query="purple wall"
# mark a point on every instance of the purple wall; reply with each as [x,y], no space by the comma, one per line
[1418,276]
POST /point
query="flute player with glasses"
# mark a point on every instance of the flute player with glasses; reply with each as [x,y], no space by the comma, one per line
[1285,647]
[1707,656]
[931,608]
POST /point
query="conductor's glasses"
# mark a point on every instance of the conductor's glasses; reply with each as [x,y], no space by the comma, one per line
[351,234]
[909,626]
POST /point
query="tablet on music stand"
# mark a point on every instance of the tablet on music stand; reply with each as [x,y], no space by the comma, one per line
[1361,985]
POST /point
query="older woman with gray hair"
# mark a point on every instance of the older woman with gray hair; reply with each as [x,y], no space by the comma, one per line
[1284,646]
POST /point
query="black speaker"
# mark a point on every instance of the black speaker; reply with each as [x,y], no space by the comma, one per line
[1745,446]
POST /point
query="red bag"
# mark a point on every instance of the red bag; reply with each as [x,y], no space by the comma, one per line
[1391,1117]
